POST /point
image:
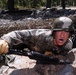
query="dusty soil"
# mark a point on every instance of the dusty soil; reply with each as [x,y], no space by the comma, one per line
[28,23]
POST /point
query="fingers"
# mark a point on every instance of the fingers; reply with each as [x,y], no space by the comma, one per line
[6,48]
[3,47]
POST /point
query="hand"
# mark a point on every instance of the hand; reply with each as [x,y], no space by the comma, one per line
[3,47]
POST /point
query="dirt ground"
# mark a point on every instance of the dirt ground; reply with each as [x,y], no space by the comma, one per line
[68,7]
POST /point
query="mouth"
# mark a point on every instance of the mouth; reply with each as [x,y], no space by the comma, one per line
[61,40]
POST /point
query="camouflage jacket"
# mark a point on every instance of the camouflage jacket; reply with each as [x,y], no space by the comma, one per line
[40,40]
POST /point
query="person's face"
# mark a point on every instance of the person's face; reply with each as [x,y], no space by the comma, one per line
[61,37]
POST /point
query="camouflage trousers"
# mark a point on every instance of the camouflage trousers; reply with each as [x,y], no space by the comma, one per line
[22,65]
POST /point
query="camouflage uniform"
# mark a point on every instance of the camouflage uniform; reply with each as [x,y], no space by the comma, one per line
[40,40]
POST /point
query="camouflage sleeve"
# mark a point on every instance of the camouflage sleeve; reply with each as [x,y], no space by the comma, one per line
[68,45]
[24,36]
[16,37]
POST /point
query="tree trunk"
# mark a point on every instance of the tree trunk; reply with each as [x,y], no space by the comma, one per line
[34,4]
[63,4]
[10,5]
[74,2]
[48,4]
[58,3]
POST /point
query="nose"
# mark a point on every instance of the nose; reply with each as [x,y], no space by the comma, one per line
[62,33]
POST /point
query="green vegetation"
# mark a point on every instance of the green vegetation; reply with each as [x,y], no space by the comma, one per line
[34,3]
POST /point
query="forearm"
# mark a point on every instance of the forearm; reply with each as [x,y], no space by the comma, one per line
[16,37]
